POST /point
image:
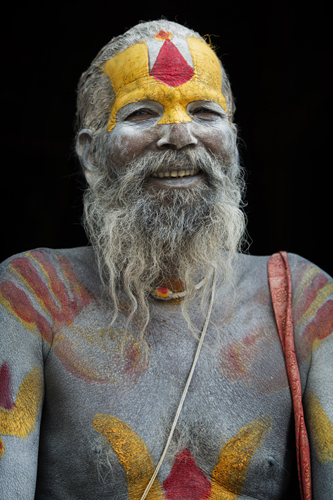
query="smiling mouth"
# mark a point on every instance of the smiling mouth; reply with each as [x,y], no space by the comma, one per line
[176,173]
[176,179]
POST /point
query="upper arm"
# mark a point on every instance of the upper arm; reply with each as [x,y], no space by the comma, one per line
[318,408]
[313,325]
[21,391]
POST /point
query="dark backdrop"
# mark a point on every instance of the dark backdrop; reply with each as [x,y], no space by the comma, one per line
[279,60]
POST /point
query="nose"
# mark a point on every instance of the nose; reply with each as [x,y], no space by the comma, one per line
[176,136]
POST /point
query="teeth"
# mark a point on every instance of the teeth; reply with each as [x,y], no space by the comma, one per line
[176,173]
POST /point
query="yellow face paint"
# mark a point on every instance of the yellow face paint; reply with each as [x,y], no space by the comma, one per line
[132,82]
[321,429]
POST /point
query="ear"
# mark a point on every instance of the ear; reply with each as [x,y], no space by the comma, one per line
[83,145]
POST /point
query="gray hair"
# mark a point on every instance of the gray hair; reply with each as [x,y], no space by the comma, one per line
[95,93]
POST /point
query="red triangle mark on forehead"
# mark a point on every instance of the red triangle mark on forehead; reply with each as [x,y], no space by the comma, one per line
[186,480]
[170,66]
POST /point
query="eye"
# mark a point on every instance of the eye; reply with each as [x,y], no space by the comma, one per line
[141,114]
[205,113]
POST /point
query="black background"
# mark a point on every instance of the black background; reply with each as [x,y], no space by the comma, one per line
[279,59]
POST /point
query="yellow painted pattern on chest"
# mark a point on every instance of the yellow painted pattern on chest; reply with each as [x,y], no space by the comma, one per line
[131,81]
[133,456]
[228,477]
[321,429]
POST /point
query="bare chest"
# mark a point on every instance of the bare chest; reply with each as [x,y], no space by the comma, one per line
[114,398]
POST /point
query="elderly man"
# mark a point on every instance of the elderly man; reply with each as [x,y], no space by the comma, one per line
[160,363]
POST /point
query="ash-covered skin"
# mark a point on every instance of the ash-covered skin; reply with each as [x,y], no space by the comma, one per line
[137,132]
[111,391]
[139,383]
[200,224]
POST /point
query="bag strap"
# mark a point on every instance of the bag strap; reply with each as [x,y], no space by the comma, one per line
[280,286]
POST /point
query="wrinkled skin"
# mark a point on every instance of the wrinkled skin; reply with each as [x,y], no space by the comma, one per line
[110,398]
[100,380]
[137,132]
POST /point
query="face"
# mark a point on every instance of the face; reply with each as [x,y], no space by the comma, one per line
[137,132]
[165,182]
[158,107]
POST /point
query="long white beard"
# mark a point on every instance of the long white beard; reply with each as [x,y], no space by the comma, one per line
[139,235]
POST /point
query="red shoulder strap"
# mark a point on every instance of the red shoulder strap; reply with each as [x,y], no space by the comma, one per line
[280,286]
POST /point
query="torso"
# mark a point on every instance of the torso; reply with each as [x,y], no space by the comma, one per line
[111,394]
[235,432]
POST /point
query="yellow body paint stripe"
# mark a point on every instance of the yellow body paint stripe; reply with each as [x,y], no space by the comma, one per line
[48,280]
[316,304]
[21,420]
[304,283]
[228,477]
[133,456]
[321,429]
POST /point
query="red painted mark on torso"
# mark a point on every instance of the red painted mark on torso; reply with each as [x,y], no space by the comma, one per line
[6,400]
[239,355]
[186,480]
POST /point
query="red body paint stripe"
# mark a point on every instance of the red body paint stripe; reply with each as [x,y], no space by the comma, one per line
[24,267]
[57,286]
[322,324]
[23,309]
[310,295]
[6,400]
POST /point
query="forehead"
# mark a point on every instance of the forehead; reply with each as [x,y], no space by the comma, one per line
[166,68]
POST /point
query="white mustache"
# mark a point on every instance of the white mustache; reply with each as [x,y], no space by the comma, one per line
[140,169]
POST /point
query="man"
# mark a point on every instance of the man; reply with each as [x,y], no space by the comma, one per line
[97,344]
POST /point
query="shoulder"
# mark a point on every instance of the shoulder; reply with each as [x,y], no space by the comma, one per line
[250,267]
[44,274]
[80,260]
[312,300]
[298,265]
[77,256]
[312,289]
[302,270]
[312,312]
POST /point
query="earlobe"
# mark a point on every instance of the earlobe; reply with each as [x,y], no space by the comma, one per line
[83,144]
